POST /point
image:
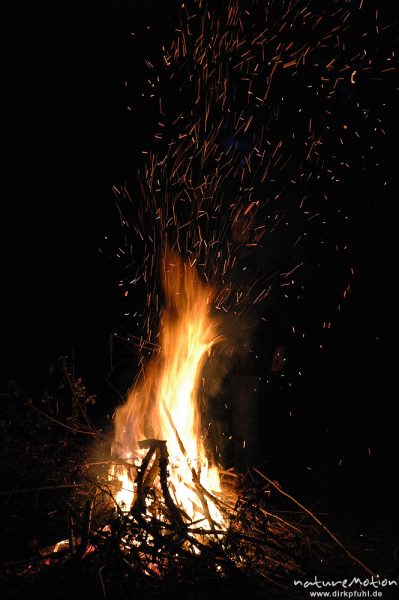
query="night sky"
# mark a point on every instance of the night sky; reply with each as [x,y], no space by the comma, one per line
[70,138]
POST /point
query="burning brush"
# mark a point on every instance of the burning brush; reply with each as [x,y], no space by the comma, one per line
[174,506]
[165,405]
[160,509]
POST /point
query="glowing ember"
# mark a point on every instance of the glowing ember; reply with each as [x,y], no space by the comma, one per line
[164,403]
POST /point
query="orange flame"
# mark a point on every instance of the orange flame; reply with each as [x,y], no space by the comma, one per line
[164,404]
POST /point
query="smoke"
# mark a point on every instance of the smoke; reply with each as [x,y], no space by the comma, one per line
[233,350]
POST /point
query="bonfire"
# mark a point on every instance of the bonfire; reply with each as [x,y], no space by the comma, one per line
[152,503]
[249,148]
[159,426]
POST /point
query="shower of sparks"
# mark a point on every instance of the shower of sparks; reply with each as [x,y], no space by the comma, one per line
[267,116]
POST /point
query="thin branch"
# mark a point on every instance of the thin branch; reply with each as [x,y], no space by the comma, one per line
[42,488]
[330,533]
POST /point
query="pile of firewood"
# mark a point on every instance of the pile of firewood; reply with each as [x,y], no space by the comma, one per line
[108,550]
